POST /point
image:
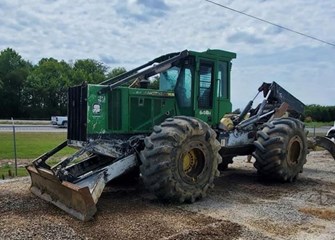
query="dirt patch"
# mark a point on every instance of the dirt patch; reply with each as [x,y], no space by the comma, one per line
[11,162]
[323,213]
[221,230]
[275,228]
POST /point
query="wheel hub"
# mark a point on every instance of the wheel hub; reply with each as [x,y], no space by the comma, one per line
[189,161]
[294,150]
[193,162]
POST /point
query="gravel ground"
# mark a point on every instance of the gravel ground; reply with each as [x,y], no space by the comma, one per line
[239,207]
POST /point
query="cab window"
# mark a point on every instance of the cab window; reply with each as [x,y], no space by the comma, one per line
[168,79]
[222,91]
[183,88]
[205,85]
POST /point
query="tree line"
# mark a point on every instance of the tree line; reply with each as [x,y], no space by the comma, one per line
[319,113]
[39,91]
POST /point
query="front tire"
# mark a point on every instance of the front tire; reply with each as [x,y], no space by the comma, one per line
[180,159]
[281,149]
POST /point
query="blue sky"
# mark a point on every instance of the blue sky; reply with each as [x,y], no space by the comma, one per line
[130,32]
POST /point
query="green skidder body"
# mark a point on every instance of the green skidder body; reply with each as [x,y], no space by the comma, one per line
[197,85]
[127,110]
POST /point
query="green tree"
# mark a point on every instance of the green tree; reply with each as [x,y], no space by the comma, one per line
[40,91]
[116,72]
[154,83]
[320,113]
[13,74]
[46,88]
[88,70]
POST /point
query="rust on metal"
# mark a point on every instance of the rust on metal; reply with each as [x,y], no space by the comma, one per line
[74,200]
[281,110]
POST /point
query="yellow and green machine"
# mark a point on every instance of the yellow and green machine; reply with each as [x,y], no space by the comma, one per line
[169,123]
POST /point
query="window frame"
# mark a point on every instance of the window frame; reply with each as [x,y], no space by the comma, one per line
[204,104]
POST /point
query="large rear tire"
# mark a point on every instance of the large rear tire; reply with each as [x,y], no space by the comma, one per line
[281,149]
[180,159]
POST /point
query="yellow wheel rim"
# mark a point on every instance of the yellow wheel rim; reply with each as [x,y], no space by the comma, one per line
[189,161]
[193,162]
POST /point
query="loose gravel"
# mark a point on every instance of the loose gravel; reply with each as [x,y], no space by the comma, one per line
[239,207]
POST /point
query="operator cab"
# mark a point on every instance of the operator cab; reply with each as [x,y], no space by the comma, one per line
[201,84]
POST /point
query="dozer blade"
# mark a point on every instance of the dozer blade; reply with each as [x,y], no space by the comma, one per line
[78,198]
[326,143]
[75,200]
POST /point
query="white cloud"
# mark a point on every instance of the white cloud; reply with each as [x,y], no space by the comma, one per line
[128,33]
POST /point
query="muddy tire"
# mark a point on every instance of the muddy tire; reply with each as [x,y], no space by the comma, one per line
[180,159]
[281,149]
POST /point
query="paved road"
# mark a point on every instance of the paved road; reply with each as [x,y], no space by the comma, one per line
[320,131]
[31,128]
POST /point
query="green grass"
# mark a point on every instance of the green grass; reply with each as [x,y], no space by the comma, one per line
[31,145]
[28,147]
[6,170]
[319,124]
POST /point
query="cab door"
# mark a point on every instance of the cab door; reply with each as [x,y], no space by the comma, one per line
[223,90]
[184,88]
[204,89]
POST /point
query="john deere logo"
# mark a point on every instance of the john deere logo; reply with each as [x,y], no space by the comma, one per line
[96,109]
[205,112]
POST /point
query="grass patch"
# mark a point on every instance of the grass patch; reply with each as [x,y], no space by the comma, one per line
[9,171]
[30,145]
[319,124]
